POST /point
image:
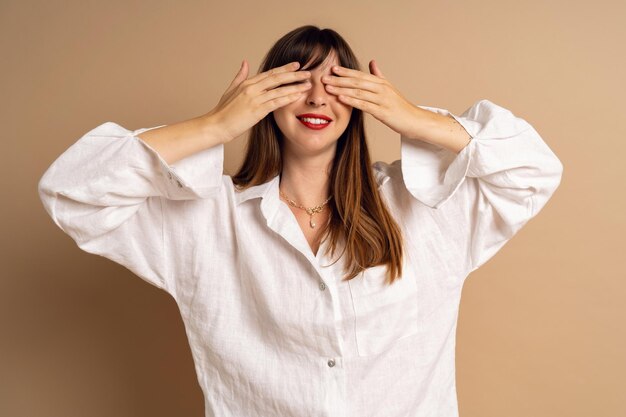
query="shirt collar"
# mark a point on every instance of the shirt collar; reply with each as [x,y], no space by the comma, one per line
[284,226]
[270,188]
[262,190]
[269,194]
[277,218]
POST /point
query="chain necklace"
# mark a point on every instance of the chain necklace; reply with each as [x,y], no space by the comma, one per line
[310,210]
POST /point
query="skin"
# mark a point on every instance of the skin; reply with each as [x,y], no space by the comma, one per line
[374,94]
[335,91]
[307,154]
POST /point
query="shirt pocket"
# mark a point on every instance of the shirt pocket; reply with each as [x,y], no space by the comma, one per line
[384,313]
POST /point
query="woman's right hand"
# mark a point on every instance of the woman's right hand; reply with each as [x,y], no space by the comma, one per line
[247,101]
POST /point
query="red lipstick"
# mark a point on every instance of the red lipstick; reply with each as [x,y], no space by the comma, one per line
[314,126]
[315,116]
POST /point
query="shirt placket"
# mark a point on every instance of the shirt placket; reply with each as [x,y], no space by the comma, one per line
[335,391]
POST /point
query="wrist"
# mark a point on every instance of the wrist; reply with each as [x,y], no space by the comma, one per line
[424,125]
[440,130]
[211,129]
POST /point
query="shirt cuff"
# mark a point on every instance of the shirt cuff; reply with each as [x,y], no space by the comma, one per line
[433,174]
[196,176]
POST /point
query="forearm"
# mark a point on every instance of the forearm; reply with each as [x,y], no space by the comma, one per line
[443,131]
[179,140]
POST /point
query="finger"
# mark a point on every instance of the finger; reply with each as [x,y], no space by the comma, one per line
[363,95]
[278,102]
[276,80]
[290,67]
[363,105]
[285,91]
[360,83]
[240,77]
[349,72]
[375,70]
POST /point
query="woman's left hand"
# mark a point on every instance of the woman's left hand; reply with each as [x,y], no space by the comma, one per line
[374,94]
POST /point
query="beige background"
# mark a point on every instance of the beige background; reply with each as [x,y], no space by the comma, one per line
[541,326]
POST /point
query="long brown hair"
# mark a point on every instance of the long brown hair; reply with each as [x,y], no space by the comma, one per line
[359,217]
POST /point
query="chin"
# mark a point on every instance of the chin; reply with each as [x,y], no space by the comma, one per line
[315,141]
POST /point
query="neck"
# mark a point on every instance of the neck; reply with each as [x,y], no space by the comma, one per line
[307,182]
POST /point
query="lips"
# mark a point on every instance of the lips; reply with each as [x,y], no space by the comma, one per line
[314,126]
[314,116]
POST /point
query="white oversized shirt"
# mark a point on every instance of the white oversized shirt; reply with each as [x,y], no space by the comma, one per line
[273,330]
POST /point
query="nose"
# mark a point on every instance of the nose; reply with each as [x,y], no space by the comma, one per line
[317,94]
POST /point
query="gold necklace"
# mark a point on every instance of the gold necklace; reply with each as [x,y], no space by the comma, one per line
[310,210]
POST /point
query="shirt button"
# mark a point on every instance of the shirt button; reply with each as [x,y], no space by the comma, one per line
[322,285]
[331,363]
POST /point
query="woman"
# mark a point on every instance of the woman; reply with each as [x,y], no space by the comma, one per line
[279,325]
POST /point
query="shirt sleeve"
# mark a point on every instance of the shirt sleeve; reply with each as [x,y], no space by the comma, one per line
[501,179]
[106,192]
